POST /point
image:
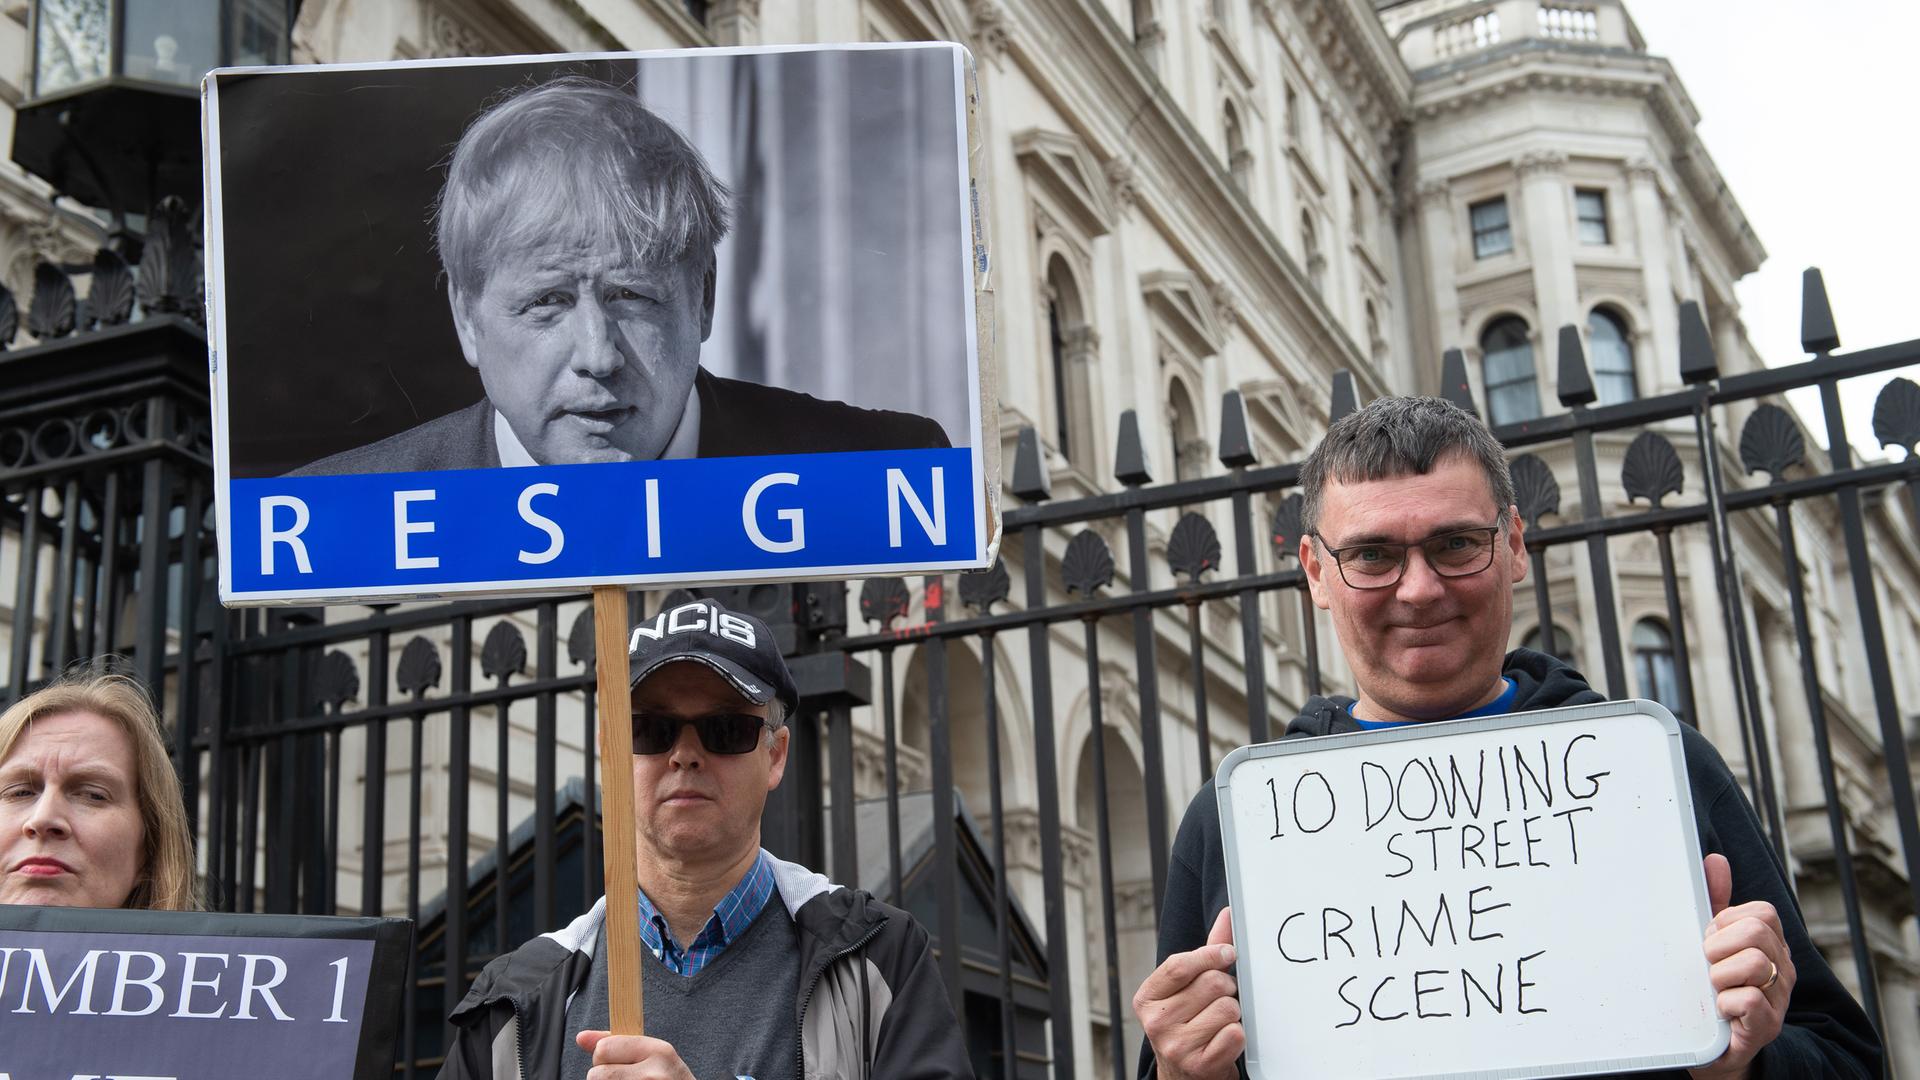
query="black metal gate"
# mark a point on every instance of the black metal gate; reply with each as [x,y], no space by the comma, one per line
[430,759]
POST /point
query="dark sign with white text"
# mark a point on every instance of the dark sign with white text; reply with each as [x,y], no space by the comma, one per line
[138,995]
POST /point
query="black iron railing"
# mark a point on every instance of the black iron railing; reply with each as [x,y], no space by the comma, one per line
[397,758]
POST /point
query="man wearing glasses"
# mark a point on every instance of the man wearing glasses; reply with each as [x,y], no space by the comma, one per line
[753,967]
[1412,545]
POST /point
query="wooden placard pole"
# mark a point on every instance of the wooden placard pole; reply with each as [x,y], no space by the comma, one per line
[624,1012]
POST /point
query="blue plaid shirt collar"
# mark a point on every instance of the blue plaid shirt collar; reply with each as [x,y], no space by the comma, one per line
[731,916]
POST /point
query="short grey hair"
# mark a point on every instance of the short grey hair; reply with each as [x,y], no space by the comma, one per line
[1400,436]
[575,161]
[776,714]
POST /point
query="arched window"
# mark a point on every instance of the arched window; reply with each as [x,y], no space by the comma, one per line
[1064,315]
[1653,663]
[1183,423]
[1506,354]
[1310,249]
[1613,380]
[1562,646]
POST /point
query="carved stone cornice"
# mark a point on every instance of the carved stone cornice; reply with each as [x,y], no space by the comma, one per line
[1061,167]
[1429,194]
[1080,343]
[448,36]
[1122,183]
[991,32]
[1540,163]
[1641,169]
[1226,303]
[1023,847]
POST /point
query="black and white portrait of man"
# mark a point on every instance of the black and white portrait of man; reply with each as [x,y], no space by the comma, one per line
[584,251]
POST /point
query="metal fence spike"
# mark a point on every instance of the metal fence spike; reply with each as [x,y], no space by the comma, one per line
[1818,335]
[1453,380]
[1346,396]
[1575,386]
[1236,445]
[1698,362]
[1030,479]
[1130,456]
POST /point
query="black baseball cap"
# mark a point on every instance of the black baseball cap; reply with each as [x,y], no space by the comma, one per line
[733,643]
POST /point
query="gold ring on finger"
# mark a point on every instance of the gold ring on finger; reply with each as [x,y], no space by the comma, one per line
[1773,975]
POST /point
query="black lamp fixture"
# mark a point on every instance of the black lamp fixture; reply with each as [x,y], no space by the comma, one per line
[112,116]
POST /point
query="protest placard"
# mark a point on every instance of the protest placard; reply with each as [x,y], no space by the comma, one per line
[178,995]
[530,325]
[1512,896]
[544,324]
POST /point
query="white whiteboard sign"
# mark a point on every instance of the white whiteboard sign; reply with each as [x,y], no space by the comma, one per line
[1512,896]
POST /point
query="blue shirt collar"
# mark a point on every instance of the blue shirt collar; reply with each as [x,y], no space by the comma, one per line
[731,916]
[1497,707]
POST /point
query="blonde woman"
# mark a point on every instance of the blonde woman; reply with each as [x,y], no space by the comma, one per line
[90,810]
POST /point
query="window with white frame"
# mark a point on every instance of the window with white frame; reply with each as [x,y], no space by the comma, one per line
[1506,351]
[1590,208]
[1492,232]
[1612,347]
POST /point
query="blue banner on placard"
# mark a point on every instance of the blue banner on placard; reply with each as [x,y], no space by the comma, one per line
[554,526]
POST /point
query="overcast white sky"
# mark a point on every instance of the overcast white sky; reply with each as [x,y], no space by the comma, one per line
[1808,110]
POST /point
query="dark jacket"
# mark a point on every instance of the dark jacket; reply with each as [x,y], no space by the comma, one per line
[737,419]
[871,1003]
[1826,1033]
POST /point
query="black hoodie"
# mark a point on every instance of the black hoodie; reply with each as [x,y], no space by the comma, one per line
[1826,1033]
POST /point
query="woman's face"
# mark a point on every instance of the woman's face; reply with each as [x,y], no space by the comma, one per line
[70,833]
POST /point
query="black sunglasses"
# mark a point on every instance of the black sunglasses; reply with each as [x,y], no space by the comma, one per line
[720,733]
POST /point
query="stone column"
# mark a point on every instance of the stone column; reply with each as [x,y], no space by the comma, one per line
[1549,239]
[1436,208]
[1662,349]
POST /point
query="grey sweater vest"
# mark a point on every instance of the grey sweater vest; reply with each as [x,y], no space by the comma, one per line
[735,1018]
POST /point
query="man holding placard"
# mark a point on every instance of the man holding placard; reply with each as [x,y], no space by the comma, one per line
[752,967]
[1412,544]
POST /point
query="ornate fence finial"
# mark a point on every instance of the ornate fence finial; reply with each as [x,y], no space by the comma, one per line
[1771,442]
[1698,362]
[981,591]
[169,278]
[883,600]
[54,311]
[9,317]
[1236,446]
[1346,397]
[580,644]
[1030,479]
[1130,453]
[1453,380]
[1575,386]
[504,654]
[1194,547]
[1288,530]
[1652,469]
[1896,415]
[419,667]
[336,683]
[1818,335]
[111,291]
[1535,491]
[1087,566]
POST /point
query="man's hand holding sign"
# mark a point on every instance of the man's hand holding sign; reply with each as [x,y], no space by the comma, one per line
[1512,893]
